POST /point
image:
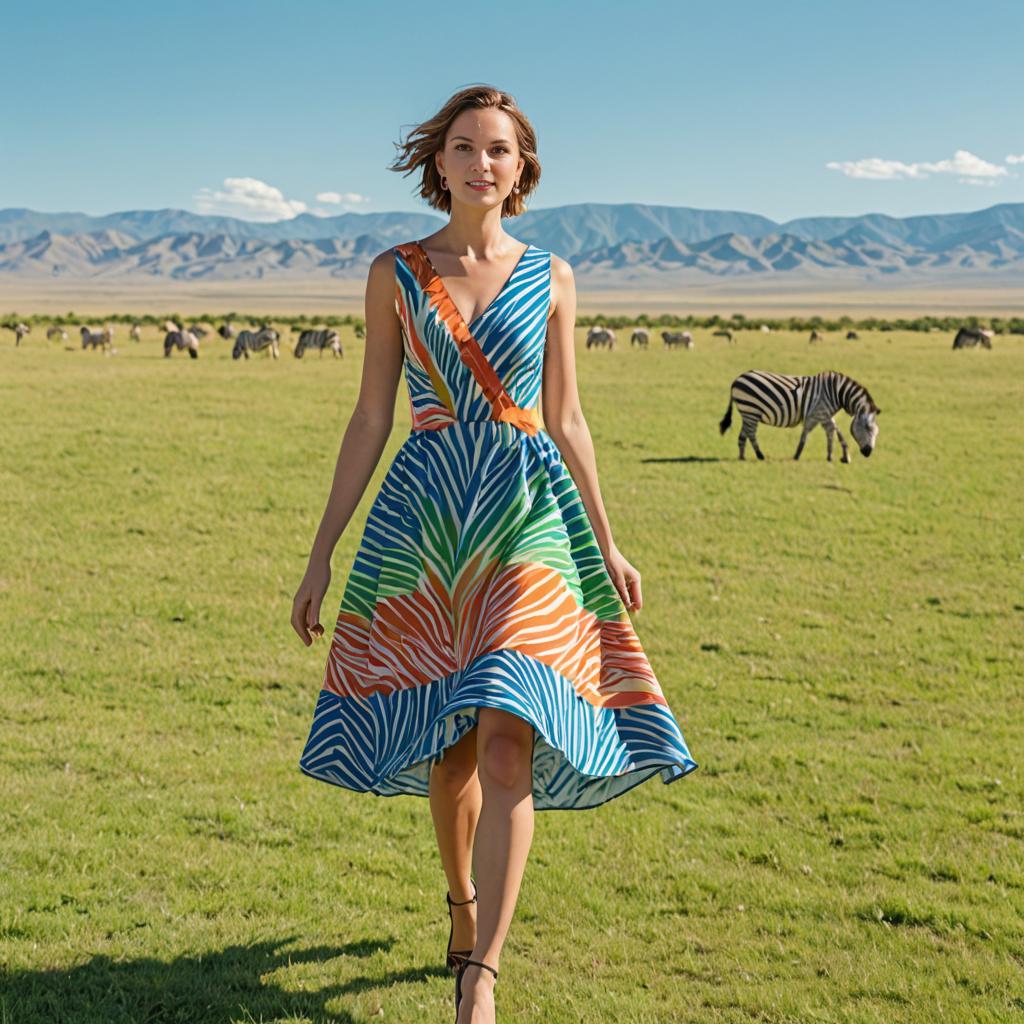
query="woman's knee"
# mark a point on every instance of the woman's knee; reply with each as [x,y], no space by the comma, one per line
[505,749]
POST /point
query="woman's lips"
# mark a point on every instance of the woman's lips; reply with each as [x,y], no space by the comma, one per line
[480,188]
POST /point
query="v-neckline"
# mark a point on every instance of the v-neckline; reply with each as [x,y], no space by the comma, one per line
[501,291]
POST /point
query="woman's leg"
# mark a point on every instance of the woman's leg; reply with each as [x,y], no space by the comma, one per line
[455,807]
[504,834]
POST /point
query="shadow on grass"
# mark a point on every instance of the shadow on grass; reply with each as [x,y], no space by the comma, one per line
[690,458]
[207,988]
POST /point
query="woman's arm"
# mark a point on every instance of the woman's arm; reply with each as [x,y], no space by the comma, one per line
[365,437]
[567,427]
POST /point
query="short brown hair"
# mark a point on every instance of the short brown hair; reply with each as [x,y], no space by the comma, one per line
[426,139]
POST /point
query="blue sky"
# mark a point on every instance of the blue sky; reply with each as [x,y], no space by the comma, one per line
[732,105]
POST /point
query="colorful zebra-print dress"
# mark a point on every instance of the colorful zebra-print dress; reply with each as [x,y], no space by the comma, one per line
[478,581]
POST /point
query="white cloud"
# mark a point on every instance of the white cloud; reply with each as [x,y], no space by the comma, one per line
[972,169]
[1019,159]
[876,168]
[339,198]
[250,199]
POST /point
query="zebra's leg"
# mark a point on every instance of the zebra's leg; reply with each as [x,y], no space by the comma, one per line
[829,427]
[842,442]
[753,443]
[808,427]
[749,432]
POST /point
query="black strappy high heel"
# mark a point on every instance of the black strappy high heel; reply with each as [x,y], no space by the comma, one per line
[458,979]
[456,956]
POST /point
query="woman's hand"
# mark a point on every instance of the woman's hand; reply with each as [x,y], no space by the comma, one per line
[625,578]
[308,598]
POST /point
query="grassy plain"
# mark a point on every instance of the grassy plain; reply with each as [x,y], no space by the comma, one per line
[843,646]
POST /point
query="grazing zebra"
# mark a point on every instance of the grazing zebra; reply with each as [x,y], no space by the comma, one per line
[227,330]
[256,341]
[181,340]
[968,337]
[852,336]
[815,336]
[321,339]
[136,332]
[56,332]
[20,330]
[97,337]
[198,330]
[600,336]
[639,337]
[785,401]
[673,338]
[722,333]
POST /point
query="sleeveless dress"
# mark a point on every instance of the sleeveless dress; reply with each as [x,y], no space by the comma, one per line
[478,581]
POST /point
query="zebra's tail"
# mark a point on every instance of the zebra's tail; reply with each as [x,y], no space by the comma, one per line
[726,419]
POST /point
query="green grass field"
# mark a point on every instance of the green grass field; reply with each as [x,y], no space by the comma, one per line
[841,644]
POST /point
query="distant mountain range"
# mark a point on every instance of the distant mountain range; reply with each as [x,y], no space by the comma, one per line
[629,245]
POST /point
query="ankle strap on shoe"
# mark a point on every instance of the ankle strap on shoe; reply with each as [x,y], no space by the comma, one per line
[479,963]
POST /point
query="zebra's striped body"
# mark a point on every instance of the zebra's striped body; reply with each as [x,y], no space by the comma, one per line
[968,337]
[321,339]
[639,337]
[181,340]
[56,332]
[673,338]
[601,336]
[97,338]
[255,341]
[781,400]
[20,330]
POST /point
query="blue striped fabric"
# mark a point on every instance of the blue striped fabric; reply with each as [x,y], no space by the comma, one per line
[478,581]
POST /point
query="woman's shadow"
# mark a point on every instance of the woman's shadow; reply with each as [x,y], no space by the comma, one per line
[208,988]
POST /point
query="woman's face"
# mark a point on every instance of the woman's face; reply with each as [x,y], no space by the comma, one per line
[481,146]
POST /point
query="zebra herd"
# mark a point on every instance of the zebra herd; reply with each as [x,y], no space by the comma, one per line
[186,338]
[604,337]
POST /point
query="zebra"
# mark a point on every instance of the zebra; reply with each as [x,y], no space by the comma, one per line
[968,337]
[136,332]
[319,339]
[786,401]
[97,338]
[198,330]
[815,336]
[673,338]
[56,332]
[181,340]
[639,337]
[227,330]
[601,336]
[852,336]
[722,333]
[253,341]
[20,330]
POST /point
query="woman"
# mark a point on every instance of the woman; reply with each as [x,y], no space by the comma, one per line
[483,654]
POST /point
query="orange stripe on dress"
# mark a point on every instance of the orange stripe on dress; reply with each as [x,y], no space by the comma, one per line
[503,409]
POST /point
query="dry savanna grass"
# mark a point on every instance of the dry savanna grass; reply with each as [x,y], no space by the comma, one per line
[842,645]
